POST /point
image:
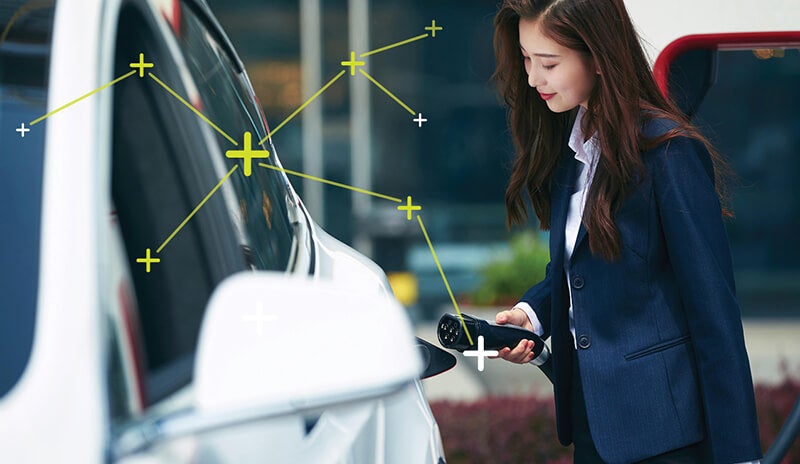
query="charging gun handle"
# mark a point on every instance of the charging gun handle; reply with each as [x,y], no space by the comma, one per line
[547,366]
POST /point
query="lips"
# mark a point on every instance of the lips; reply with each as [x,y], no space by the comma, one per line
[546,96]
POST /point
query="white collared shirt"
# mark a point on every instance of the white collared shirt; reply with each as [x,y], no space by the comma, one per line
[587,153]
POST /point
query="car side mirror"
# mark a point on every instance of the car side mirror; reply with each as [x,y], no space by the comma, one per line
[274,349]
[272,339]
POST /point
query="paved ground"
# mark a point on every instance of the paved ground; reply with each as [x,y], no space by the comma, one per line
[769,343]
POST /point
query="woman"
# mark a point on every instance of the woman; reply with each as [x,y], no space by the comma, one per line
[648,352]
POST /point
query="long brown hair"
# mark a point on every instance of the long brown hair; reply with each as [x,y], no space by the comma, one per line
[624,95]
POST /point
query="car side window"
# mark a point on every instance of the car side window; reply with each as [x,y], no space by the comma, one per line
[24,64]
[227,101]
[161,170]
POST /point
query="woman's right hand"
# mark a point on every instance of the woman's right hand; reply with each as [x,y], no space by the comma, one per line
[523,352]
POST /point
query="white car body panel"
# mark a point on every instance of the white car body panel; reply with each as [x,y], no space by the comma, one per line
[67,341]
[83,270]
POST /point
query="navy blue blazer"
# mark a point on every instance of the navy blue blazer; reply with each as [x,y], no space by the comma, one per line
[659,333]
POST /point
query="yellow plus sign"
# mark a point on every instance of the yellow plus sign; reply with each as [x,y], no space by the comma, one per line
[433,28]
[352,64]
[247,154]
[408,208]
[141,65]
[147,260]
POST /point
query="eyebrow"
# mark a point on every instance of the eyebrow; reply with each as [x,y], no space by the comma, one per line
[542,55]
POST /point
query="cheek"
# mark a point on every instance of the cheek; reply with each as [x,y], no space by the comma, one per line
[577,83]
[587,80]
[588,86]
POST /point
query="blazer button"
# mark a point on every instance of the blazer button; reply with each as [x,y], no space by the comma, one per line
[577,282]
[584,342]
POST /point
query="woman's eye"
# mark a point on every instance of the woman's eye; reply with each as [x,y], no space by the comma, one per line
[549,67]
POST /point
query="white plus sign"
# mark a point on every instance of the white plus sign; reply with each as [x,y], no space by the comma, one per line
[481,353]
[22,129]
[260,318]
[420,120]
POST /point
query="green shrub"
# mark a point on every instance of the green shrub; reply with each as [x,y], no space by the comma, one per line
[504,280]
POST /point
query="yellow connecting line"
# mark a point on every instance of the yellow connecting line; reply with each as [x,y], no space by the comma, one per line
[397,200]
[444,278]
[335,184]
[87,95]
[186,104]
[149,260]
[302,107]
[372,79]
[389,47]
[158,250]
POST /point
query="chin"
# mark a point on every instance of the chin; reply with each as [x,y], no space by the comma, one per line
[560,107]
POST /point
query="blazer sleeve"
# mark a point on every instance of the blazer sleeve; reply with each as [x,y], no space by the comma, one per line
[699,252]
[538,298]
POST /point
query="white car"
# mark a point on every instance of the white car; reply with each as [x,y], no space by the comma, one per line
[257,337]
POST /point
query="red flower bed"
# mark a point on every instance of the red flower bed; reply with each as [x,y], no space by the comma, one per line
[522,429]
[774,402]
[508,429]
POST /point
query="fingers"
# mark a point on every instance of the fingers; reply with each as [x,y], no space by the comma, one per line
[502,317]
[523,352]
[520,354]
[510,316]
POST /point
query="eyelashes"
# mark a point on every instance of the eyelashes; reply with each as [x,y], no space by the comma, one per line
[526,60]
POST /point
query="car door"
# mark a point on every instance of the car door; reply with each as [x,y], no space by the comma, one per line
[267,209]
[167,157]
[163,166]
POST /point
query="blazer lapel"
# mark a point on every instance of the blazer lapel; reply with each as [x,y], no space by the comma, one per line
[581,235]
[563,183]
[561,339]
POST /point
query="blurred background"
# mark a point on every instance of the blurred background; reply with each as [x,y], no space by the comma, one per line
[456,165]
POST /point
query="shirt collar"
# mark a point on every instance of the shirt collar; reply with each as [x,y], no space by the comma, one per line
[586,152]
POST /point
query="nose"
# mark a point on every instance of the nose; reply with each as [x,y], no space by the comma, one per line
[533,77]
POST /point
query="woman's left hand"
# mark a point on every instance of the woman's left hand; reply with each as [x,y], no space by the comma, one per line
[521,354]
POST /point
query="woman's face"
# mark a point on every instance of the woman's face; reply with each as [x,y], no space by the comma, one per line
[563,77]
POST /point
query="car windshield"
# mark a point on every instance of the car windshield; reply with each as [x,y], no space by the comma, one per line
[25,35]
